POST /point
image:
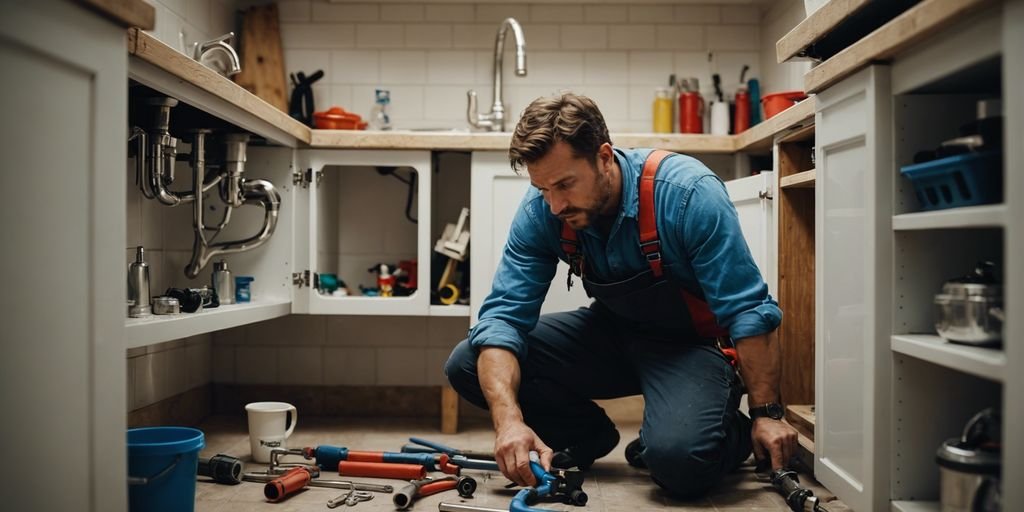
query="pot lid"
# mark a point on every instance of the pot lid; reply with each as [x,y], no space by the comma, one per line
[981,281]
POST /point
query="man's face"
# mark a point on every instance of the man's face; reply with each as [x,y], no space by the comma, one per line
[576,190]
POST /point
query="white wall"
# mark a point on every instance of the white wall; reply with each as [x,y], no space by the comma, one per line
[777,22]
[179,23]
[428,55]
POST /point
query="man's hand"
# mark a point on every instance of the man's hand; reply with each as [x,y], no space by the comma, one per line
[775,439]
[512,448]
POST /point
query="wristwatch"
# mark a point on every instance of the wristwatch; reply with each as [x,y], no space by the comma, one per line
[772,410]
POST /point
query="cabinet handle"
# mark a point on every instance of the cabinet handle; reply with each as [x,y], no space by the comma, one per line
[764,194]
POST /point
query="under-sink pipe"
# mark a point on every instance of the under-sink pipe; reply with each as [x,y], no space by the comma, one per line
[252,192]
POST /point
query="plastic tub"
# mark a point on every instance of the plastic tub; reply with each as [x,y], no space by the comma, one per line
[779,101]
[162,463]
[959,180]
[337,118]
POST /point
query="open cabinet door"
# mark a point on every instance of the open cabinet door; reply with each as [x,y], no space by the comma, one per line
[752,197]
[357,210]
[494,198]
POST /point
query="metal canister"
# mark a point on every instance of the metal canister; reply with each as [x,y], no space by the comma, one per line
[223,282]
[166,306]
[138,286]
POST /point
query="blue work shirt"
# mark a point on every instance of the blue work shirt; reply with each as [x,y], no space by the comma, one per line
[700,238]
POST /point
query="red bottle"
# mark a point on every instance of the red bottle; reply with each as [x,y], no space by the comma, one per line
[691,112]
[742,120]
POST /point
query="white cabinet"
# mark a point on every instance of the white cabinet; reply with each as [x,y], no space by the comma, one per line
[63,140]
[495,195]
[853,211]
[353,217]
[752,197]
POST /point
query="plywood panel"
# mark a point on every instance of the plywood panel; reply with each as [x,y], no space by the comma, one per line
[796,293]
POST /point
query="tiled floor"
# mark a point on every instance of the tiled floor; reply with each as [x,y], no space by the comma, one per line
[611,484]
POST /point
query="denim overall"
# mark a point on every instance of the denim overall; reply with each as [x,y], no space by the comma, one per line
[645,335]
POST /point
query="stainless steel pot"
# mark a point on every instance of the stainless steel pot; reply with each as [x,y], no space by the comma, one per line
[970,309]
[166,306]
[970,467]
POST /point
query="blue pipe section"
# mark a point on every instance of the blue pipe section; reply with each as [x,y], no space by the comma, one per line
[467,463]
[328,457]
[437,447]
[546,485]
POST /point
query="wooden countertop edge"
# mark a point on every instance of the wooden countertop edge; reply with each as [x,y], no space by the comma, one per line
[128,13]
[483,141]
[154,51]
[815,26]
[918,22]
[760,136]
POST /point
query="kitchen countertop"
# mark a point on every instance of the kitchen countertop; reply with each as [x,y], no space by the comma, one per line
[187,72]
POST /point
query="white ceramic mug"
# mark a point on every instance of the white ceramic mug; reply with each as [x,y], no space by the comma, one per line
[269,427]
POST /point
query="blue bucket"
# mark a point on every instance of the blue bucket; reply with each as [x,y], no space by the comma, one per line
[162,464]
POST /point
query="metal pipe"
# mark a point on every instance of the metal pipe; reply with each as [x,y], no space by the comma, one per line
[328,484]
[499,50]
[234,166]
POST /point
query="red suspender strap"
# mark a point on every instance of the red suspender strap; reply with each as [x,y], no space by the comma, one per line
[650,244]
[571,245]
[700,314]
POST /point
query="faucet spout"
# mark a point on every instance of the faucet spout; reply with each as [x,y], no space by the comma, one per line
[223,45]
[495,120]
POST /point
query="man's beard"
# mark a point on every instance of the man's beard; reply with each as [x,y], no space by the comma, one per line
[593,211]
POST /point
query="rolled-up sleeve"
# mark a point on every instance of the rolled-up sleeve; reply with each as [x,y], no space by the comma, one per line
[722,263]
[520,284]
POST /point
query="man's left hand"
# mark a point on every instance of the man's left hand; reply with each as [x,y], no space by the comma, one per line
[775,439]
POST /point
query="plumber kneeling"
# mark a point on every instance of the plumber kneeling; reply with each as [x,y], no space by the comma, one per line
[679,314]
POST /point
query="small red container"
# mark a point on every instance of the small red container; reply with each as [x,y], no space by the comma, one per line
[337,118]
[779,101]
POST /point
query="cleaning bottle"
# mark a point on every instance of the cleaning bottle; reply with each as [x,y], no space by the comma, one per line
[380,117]
[741,118]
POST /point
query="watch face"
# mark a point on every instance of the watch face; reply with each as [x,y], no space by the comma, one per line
[775,411]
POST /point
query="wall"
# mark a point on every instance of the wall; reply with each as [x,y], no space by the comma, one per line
[162,371]
[179,23]
[429,55]
[777,22]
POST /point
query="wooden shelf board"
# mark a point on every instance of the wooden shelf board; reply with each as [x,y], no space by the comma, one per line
[802,419]
[916,506]
[990,215]
[128,13]
[918,22]
[759,138]
[815,26]
[799,180]
[452,310]
[139,332]
[232,101]
[983,362]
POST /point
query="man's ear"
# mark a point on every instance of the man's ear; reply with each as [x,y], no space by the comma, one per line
[605,156]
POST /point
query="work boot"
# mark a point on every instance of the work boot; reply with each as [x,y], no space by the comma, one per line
[583,455]
[633,451]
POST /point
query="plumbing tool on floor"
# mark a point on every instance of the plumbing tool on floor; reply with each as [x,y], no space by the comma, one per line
[328,457]
[315,481]
[564,485]
[351,498]
[420,445]
[223,469]
[382,470]
[403,499]
[294,480]
[786,482]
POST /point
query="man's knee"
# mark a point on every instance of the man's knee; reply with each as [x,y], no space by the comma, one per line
[461,372]
[684,466]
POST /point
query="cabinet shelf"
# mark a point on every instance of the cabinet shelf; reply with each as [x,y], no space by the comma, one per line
[452,310]
[799,180]
[139,332]
[965,217]
[979,361]
[916,506]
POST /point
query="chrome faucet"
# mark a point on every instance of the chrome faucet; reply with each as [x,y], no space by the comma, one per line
[222,44]
[495,120]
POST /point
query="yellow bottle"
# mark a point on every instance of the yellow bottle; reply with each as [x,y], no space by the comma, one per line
[663,110]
